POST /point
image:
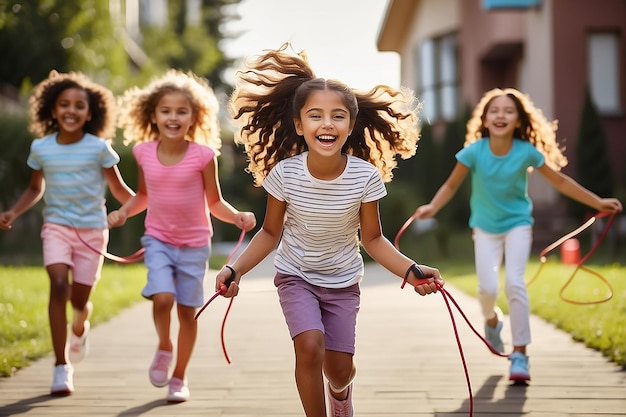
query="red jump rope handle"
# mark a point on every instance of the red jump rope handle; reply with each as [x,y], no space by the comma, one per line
[222,290]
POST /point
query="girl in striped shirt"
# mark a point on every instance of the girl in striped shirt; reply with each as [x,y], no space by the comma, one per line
[72,166]
[322,151]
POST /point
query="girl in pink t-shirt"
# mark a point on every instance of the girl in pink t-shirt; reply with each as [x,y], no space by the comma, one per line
[173,122]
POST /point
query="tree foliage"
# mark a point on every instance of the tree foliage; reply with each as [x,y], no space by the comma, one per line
[37,36]
[593,168]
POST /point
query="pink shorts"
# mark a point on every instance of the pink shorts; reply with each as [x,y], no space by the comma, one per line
[333,311]
[61,245]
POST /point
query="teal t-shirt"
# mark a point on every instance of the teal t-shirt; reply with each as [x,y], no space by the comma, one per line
[499,200]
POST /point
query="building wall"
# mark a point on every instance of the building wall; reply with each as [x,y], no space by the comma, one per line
[541,51]
[486,36]
[428,18]
[572,20]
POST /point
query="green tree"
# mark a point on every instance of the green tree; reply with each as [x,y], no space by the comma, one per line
[593,169]
[37,36]
[31,35]
[188,46]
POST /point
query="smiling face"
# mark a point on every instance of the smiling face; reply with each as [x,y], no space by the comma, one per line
[501,117]
[173,116]
[71,111]
[324,122]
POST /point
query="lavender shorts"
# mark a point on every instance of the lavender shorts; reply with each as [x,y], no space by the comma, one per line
[333,311]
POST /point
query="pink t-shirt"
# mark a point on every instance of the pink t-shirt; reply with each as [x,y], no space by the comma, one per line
[178,213]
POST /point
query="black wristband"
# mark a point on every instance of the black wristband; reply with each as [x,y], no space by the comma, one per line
[233,274]
[416,270]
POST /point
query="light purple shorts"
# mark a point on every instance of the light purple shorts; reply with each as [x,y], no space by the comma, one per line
[179,271]
[61,245]
[333,311]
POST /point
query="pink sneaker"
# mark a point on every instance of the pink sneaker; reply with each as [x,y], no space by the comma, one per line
[341,408]
[159,369]
[178,392]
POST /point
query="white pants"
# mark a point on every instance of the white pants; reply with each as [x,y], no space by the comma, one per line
[489,249]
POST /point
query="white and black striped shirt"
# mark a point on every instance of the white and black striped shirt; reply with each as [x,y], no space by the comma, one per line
[320,241]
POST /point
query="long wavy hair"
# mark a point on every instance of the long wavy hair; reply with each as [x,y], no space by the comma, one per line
[272,89]
[534,126]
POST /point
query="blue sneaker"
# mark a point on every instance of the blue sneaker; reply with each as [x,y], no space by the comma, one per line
[519,367]
[492,334]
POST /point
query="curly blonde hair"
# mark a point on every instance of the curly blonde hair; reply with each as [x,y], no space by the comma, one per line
[272,89]
[137,105]
[101,104]
[534,126]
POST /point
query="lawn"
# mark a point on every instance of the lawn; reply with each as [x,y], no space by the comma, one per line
[600,325]
[25,332]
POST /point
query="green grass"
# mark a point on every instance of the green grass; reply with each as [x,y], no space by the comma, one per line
[24,308]
[600,326]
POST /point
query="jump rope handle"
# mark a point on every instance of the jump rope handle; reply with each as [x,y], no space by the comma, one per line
[222,290]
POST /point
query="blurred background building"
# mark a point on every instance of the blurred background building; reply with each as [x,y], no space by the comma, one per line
[452,51]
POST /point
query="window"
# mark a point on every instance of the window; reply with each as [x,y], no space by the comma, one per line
[437,78]
[603,68]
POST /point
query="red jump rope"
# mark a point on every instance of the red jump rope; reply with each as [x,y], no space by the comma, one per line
[138,256]
[447,297]
[222,290]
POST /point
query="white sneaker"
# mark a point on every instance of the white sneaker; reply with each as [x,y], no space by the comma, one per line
[62,380]
[79,345]
[178,391]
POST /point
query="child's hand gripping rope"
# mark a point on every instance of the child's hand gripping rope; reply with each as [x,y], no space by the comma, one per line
[222,290]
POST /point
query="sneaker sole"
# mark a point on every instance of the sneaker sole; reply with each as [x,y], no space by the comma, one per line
[159,385]
[176,400]
[519,377]
[61,393]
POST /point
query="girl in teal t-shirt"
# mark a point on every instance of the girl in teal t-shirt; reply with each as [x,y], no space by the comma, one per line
[506,137]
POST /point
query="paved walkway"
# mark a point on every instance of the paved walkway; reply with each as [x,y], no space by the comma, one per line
[408,365]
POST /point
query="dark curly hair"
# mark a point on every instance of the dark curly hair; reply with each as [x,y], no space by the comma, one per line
[271,91]
[101,104]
